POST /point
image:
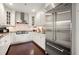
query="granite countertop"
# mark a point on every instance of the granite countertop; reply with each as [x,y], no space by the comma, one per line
[3,34]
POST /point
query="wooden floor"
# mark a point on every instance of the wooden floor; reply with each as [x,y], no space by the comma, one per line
[29,48]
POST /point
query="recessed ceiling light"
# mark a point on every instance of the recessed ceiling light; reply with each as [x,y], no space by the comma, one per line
[10,3]
[33,10]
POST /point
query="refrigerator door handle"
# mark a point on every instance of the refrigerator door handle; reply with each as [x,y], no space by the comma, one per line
[61,50]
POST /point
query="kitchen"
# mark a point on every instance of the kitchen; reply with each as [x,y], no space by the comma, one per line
[36,29]
[17,27]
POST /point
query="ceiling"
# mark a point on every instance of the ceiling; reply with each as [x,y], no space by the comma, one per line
[26,7]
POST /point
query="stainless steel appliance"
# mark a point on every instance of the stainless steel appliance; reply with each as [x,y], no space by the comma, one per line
[4,30]
[60,43]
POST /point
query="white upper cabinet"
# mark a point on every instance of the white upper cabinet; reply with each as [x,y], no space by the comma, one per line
[2,15]
[7,16]
[10,17]
[40,19]
[13,18]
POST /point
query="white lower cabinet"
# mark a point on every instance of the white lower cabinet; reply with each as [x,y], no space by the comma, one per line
[38,38]
[22,38]
[19,38]
[4,44]
[13,38]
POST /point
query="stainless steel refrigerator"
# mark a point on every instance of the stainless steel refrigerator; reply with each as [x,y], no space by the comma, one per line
[59,30]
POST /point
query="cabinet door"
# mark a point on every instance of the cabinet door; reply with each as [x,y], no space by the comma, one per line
[26,37]
[2,15]
[32,36]
[14,38]
[10,17]
[40,19]
[20,38]
[4,45]
[39,39]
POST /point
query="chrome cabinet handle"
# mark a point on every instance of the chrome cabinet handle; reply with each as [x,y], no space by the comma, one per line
[55,47]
